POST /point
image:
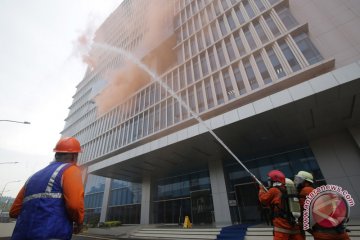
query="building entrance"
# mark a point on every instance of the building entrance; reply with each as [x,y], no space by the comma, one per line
[172,211]
[247,202]
[202,207]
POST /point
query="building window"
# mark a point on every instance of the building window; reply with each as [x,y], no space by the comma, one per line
[197,23]
[209,93]
[222,26]
[260,31]
[272,2]
[193,46]
[221,55]
[290,57]
[249,38]
[182,77]
[151,121]
[217,8]
[200,3]
[239,14]
[145,126]
[230,49]
[275,63]
[250,74]
[239,43]
[179,55]
[218,89]
[189,72]
[141,125]
[196,69]
[157,118]
[169,112]
[203,18]
[186,50]
[307,48]
[262,68]
[248,9]
[184,111]
[134,135]
[207,36]
[287,18]
[271,24]
[228,84]
[214,31]
[231,21]
[238,79]
[224,4]
[200,97]
[260,5]
[175,81]
[191,94]
[212,59]
[184,31]
[204,65]
[200,42]
[176,111]
[209,13]
[190,27]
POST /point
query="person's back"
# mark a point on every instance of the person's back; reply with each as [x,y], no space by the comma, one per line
[43,213]
[52,199]
[283,229]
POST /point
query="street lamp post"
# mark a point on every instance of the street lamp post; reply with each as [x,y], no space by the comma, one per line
[9,162]
[6,185]
[25,122]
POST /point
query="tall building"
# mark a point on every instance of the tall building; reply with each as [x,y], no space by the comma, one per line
[278,81]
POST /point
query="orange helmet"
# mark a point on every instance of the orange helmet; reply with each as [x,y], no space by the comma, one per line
[68,145]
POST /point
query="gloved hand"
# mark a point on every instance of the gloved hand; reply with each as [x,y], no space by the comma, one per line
[77,228]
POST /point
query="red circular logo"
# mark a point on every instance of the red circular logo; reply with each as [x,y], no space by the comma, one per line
[329,209]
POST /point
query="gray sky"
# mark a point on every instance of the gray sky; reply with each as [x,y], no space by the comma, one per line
[39,71]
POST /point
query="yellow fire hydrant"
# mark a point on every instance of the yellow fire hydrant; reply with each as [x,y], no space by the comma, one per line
[187,223]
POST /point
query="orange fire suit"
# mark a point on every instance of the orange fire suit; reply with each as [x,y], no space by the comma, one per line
[283,230]
[73,192]
[319,233]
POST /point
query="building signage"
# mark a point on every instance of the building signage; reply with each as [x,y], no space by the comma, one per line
[327,206]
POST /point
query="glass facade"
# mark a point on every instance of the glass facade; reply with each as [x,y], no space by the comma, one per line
[124,202]
[175,196]
[94,193]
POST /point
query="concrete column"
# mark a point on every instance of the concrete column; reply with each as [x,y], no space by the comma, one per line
[145,200]
[105,202]
[338,156]
[219,193]
[84,175]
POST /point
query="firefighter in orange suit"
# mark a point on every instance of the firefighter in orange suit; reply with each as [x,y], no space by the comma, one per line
[304,183]
[51,203]
[283,228]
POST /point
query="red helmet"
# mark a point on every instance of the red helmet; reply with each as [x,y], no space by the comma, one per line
[68,145]
[276,176]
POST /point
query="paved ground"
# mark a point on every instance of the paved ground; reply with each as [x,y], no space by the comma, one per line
[121,232]
[6,229]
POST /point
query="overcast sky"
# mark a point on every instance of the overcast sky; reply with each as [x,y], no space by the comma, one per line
[39,71]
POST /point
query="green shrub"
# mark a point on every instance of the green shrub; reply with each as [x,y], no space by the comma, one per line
[109,224]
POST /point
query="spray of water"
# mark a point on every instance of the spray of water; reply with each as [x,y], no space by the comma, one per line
[156,78]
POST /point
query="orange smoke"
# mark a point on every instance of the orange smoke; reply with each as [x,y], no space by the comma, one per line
[129,78]
[123,82]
